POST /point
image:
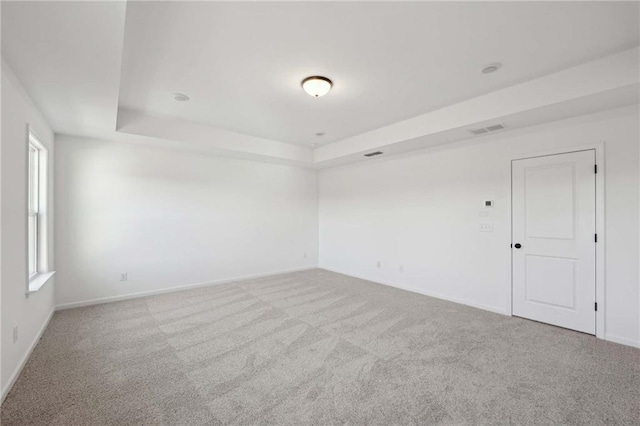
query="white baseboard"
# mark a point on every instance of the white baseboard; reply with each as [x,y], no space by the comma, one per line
[425,293]
[25,357]
[118,298]
[622,340]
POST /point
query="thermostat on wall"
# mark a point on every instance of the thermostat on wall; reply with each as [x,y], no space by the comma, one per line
[488,203]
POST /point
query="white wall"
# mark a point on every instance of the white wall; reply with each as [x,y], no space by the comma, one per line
[173,218]
[31,313]
[418,214]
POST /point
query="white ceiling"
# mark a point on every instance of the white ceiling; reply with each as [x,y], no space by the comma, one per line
[88,64]
[242,63]
[68,56]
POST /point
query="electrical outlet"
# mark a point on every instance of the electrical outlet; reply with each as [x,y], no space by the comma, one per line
[15,333]
[124,276]
[486,227]
[379,264]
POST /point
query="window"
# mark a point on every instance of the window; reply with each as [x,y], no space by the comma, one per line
[38,271]
[34,201]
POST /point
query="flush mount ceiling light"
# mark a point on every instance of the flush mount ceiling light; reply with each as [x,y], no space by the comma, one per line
[180,97]
[491,68]
[316,85]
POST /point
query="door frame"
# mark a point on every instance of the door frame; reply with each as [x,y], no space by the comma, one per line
[599,149]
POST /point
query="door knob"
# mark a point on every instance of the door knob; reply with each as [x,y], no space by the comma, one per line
[517,245]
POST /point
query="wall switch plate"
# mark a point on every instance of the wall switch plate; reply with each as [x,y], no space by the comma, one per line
[486,227]
[305,254]
[124,276]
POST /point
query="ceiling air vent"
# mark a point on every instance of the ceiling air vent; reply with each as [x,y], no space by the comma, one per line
[373,154]
[495,127]
[487,129]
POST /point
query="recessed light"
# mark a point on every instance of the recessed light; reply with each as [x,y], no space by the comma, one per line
[491,68]
[180,97]
[316,85]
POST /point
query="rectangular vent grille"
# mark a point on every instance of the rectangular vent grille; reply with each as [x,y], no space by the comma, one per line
[487,129]
[495,127]
[373,154]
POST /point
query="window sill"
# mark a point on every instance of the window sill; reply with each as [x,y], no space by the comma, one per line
[38,281]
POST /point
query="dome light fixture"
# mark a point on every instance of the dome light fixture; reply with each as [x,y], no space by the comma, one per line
[316,85]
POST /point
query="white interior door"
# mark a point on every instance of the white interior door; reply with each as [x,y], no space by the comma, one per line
[553,239]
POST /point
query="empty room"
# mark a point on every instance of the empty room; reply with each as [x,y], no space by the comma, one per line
[320,213]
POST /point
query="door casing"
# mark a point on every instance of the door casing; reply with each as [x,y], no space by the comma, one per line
[599,149]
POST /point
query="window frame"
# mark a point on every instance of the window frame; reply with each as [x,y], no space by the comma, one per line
[37,253]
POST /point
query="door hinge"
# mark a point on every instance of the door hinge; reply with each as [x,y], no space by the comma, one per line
[595,238]
[595,168]
[596,306]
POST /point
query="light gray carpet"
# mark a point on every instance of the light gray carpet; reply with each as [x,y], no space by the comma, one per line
[317,348]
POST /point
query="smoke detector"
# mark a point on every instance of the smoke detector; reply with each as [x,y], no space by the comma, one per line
[493,67]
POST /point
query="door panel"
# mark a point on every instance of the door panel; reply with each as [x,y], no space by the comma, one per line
[545,187]
[561,291]
[554,224]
